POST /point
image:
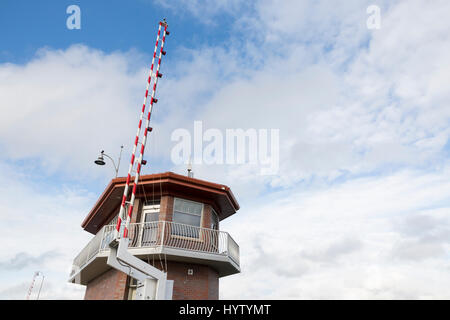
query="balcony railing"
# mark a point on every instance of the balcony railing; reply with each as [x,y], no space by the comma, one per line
[163,234]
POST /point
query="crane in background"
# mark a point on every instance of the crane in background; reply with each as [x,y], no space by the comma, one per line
[30,290]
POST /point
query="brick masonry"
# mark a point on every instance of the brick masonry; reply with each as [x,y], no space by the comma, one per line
[166,208]
[201,284]
[110,285]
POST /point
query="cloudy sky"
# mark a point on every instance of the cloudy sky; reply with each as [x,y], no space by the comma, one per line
[360,205]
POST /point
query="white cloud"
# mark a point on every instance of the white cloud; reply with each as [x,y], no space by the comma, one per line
[204,11]
[371,238]
[64,106]
[365,103]
[42,232]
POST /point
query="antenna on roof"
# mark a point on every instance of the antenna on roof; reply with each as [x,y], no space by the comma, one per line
[189,169]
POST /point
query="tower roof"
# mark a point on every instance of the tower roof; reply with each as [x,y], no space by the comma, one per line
[168,183]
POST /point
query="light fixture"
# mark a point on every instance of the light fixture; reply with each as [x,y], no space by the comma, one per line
[101,161]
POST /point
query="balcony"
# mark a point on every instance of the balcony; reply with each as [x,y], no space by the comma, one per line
[175,241]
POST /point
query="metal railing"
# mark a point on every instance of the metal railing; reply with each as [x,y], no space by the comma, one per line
[89,251]
[164,234]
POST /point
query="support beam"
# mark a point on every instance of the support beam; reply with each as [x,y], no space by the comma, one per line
[152,283]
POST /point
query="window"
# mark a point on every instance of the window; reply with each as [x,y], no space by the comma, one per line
[214,220]
[150,211]
[150,217]
[189,214]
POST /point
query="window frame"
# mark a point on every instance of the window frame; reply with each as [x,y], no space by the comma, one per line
[149,208]
[200,226]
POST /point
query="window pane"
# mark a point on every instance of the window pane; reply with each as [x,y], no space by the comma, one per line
[151,216]
[214,220]
[189,219]
[152,202]
[150,210]
[181,205]
[187,213]
[192,223]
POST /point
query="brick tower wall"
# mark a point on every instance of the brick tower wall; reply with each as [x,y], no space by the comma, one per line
[110,285]
[202,284]
[191,282]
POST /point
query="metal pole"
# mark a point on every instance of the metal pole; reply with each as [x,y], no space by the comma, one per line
[118,164]
[39,292]
[114,164]
[163,231]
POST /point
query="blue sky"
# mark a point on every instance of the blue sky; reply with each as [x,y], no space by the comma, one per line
[363,117]
[106,25]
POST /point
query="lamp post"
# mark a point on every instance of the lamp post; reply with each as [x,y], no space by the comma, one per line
[101,161]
